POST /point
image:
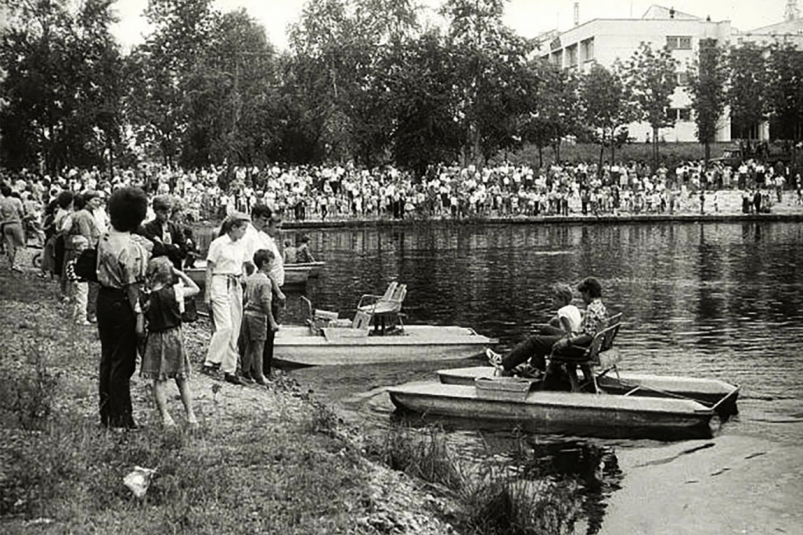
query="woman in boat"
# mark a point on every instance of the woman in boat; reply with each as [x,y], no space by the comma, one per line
[567,319]
[571,345]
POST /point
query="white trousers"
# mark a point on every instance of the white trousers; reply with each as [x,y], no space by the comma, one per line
[80,298]
[227,314]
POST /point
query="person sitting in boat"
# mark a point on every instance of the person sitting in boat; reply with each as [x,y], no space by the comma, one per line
[290,253]
[303,254]
[537,347]
[567,319]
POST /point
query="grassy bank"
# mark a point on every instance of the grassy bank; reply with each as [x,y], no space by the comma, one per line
[264,461]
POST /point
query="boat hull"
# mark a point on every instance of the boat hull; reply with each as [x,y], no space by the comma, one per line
[294,274]
[296,346]
[709,392]
[568,413]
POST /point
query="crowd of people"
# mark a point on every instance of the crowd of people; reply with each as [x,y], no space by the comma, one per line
[343,192]
[138,225]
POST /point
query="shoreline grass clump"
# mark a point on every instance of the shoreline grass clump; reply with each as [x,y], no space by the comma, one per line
[490,497]
[423,454]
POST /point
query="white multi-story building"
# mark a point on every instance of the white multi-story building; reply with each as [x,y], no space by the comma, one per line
[603,41]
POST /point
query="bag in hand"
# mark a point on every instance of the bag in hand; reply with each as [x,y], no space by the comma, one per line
[190,313]
[86,265]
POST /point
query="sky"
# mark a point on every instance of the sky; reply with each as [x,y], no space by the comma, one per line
[528,18]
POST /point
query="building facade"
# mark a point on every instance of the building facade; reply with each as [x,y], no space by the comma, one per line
[603,41]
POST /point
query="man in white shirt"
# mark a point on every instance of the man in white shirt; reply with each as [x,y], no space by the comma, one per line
[265,233]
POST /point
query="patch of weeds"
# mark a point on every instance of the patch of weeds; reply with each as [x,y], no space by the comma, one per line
[423,454]
[26,399]
[508,505]
[324,420]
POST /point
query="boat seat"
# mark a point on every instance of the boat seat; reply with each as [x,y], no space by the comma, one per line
[384,310]
[600,355]
[318,320]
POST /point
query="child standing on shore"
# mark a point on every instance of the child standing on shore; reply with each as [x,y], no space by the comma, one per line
[164,356]
[257,317]
[78,287]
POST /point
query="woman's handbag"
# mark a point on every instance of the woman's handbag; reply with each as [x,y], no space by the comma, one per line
[190,313]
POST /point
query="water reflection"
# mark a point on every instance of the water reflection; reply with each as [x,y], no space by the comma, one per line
[716,300]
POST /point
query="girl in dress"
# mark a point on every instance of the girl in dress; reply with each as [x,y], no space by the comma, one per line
[164,357]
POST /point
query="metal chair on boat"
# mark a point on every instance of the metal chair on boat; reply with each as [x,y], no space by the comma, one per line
[384,310]
[599,354]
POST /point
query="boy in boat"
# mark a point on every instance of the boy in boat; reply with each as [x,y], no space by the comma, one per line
[568,345]
[257,317]
[303,255]
[290,253]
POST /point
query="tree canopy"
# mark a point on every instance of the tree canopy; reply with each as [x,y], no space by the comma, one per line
[362,80]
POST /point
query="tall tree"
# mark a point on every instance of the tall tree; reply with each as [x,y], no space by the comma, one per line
[652,76]
[424,104]
[747,96]
[160,70]
[708,80]
[786,90]
[339,52]
[607,108]
[230,96]
[491,73]
[556,112]
[62,85]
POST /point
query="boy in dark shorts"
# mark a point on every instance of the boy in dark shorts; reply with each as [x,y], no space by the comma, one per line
[257,317]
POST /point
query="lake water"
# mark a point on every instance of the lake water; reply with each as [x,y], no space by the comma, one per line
[718,300]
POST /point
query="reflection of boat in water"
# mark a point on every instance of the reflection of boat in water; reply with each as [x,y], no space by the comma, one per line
[522,402]
[294,274]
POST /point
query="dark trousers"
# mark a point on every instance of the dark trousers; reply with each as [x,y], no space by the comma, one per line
[267,352]
[537,348]
[118,357]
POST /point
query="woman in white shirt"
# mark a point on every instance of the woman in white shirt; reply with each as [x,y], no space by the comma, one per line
[567,319]
[224,295]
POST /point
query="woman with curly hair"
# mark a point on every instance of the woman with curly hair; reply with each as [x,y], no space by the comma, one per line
[122,263]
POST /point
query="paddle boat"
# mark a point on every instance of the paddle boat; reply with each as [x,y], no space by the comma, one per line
[375,335]
[710,392]
[607,404]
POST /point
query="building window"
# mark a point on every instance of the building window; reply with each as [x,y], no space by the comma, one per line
[587,49]
[682,78]
[678,42]
[571,56]
[678,114]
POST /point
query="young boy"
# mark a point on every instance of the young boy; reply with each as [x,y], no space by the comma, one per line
[303,254]
[79,288]
[257,317]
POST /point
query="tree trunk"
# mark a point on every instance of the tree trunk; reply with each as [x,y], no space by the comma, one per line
[601,156]
[654,149]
